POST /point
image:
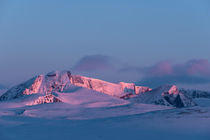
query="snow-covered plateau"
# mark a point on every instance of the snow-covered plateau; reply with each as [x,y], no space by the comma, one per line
[63,106]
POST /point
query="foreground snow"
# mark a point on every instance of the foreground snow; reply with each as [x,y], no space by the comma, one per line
[95,116]
[174,124]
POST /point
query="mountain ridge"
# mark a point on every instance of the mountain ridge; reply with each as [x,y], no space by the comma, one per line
[60,81]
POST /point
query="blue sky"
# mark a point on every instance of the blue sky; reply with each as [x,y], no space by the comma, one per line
[42,35]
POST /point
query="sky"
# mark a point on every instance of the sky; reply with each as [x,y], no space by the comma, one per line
[39,36]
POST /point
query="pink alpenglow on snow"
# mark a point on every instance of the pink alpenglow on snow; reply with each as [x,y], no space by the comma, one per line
[62,81]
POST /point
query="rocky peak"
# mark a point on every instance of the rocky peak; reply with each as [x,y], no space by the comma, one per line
[168,95]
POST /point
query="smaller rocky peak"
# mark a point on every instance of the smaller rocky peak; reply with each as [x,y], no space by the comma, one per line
[173,90]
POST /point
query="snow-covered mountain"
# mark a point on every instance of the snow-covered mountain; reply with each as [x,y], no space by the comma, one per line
[52,87]
[63,81]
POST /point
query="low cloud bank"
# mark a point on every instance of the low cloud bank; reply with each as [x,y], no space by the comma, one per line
[191,73]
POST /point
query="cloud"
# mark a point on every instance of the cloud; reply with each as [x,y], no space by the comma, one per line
[161,68]
[195,67]
[196,71]
[94,63]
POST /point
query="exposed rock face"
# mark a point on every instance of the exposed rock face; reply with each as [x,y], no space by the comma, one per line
[165,95]
[112,89]
[35,86]
[131,88]
[45,99]
[61,81]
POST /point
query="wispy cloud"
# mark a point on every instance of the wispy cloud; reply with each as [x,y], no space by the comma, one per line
[94,63]
[199,67]
[106,68]
[196,71]
[160,69]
